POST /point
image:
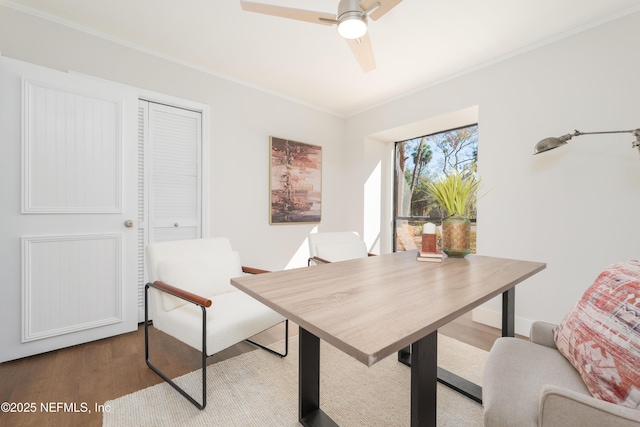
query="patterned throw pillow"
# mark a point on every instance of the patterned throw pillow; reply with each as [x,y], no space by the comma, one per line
[601,335]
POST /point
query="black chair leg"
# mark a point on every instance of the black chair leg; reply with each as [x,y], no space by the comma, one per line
[286,342]
[147,322]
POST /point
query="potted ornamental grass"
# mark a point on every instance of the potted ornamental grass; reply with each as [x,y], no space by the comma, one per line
[456,192]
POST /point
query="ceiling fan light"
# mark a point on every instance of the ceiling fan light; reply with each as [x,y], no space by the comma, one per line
[352,26]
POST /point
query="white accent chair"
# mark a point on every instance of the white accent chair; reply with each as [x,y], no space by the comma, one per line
[190,297]
[335,246]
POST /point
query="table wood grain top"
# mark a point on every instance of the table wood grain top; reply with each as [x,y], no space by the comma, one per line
[372,307]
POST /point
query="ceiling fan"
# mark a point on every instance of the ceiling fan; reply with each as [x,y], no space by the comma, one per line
[351,20]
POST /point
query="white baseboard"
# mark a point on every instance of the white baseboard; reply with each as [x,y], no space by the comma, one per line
[493,318]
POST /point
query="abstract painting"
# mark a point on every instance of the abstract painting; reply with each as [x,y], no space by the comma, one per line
[295,182]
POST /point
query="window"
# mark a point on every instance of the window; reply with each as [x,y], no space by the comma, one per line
[419,161]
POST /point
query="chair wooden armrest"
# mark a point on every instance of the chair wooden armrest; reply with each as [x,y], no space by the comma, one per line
[177,292]
[251,270]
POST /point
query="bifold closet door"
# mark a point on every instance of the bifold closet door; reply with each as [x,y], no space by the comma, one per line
[170,146]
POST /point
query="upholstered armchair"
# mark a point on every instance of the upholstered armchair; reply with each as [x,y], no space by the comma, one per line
[334,246]
[584,372]
[190,297]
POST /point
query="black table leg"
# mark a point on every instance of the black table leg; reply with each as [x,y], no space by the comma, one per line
[424,374]
[463,386]
[508,312]
[448,378]
[309,412]
[457,383]
[404,356]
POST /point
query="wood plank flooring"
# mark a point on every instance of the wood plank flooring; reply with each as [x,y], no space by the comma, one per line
[84,377]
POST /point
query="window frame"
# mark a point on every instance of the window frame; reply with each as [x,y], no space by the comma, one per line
[396,178]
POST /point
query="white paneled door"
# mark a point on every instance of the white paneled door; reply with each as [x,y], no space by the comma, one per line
[69,211]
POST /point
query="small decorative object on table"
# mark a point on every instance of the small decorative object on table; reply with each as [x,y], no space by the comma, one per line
[429,242]
[429,251]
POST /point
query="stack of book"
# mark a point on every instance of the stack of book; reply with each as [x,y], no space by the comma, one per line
[430,256]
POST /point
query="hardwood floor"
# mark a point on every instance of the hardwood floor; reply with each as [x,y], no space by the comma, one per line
[86,376]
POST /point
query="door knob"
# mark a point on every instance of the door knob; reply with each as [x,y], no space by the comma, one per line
[128,223]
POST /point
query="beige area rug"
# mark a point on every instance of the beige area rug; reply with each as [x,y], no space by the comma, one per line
[259,389]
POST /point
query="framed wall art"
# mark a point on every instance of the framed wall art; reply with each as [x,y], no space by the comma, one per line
[295,182]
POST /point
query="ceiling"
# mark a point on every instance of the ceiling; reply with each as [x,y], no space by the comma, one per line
[416,44]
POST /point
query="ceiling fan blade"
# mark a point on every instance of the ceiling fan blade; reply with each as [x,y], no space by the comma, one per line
[385,6]
[361,49]
[287,12]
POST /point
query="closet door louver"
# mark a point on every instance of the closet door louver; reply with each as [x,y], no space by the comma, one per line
[143,238]
[174,142]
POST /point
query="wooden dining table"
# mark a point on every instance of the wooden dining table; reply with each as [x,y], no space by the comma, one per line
[372,308]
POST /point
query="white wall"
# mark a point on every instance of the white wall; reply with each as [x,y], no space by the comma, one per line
[241,121]
[574,208]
